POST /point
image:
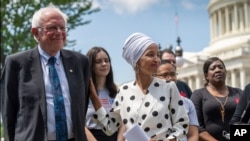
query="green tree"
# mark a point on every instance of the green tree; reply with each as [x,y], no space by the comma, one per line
[16,22]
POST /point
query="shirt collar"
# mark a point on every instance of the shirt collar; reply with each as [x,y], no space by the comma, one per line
[45,56]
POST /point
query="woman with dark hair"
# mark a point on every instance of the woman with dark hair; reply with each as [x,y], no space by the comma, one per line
[102,77]
[215,103]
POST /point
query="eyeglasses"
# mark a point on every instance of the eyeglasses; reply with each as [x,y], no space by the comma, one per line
[99,61]
[167,75]
[54,28]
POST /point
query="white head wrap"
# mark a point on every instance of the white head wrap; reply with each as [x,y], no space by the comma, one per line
[134,46]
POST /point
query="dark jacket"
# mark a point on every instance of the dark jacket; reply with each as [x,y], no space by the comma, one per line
[242,111]
[23,95]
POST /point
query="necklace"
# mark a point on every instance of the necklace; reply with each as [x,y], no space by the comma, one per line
[222,107]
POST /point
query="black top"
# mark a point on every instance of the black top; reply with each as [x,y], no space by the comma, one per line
[208,111]
[184,89]
[239,116]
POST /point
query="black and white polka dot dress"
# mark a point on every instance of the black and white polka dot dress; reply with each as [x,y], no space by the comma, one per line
[160,112]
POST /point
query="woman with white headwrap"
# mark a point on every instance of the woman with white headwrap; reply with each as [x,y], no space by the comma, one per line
[152,103]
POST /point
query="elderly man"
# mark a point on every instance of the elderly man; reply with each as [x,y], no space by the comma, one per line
[45,90]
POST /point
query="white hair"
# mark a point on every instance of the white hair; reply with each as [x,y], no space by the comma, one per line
[37,17]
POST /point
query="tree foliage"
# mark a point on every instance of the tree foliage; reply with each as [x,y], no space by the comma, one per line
[16,18]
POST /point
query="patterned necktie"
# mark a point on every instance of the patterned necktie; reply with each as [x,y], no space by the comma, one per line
[60,115]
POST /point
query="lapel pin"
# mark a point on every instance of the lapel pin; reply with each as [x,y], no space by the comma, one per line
[70,70]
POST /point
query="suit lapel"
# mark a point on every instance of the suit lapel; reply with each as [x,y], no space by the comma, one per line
[37,73]
[69,68]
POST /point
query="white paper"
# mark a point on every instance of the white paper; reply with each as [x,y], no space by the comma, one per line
[135,133]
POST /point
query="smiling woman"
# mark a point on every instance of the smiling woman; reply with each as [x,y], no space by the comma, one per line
[144,100]
[216,102]
[102,78]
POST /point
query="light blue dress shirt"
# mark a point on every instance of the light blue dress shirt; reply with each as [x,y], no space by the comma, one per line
[49,96]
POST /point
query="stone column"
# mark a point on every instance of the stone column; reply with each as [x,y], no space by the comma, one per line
[242,78]
[216,35]
[198,82]
[241,19]
[220,24]
[246,12]
[190,83]
[227,20]
[211,19]
[233,78]
[235,21]
[214,25]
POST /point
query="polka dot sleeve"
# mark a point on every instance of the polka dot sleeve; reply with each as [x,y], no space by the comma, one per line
[179,117]
[111,121]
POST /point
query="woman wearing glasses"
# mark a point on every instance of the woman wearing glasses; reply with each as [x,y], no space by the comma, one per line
[168,55]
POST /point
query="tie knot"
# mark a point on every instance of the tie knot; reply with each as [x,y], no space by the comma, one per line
[52,60]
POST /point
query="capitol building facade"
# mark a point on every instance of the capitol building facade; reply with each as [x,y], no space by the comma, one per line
[229,40]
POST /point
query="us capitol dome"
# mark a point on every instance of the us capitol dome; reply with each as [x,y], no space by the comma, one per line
[229,40]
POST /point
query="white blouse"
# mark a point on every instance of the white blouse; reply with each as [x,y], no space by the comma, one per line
[160,112]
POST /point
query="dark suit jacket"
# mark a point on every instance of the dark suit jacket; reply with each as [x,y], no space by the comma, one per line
[23,95]
[184,89]
[242,112]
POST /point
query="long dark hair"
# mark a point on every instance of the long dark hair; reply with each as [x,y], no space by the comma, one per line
[110,84]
